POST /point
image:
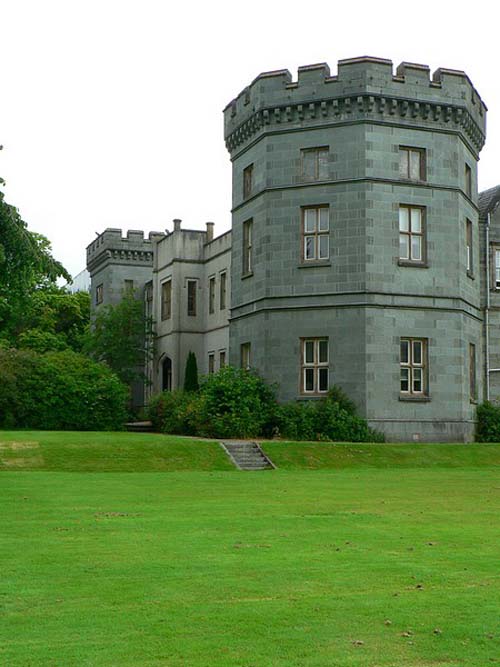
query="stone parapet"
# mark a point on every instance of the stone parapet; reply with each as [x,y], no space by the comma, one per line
[364,89]
[112,247]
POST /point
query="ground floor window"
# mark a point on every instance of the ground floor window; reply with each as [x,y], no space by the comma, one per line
[472,372]
[245,355]
[211,363]
[314,366]
[222,358]
[413,367]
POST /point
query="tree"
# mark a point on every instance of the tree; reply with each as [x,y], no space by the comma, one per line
[191,373]
[26,263]
[117,337]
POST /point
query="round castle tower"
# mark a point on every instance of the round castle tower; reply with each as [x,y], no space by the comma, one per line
[355,257]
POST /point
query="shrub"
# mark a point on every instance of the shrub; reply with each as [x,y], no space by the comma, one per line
[332,418]
[174,412]
[59,390]
[236,403]
[488,422]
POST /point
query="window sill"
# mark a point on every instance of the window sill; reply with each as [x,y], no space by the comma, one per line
[415,265]
[306,397]
[470,275]
[414,399]
[311,264]
[247,275]
[474,401]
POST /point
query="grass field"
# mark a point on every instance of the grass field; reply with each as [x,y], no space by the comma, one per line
[383,556]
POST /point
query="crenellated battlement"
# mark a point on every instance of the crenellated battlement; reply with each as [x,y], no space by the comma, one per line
[112,246]
[363,88]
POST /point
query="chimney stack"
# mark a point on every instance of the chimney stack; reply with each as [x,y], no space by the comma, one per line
[210,231]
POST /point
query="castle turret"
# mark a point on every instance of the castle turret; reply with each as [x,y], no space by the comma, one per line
[355,240]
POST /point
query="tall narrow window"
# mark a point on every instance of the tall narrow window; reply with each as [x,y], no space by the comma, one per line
[191,298]
[315,164]
[99,294]
[245,355]
[497,269]
[468,181]
[314,367]
[222,358]
[413,367]
[468,242]
[411,234]
[211,295]
[166,300]
[128,285]
[472,372]
[222,291]
[211,363]
[247,247]
[247,181]
[412,163]
[315,233]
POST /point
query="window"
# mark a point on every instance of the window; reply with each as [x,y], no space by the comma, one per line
[468,181]
[166,300]
[412,163]
[413,367]
[468,245]
[211,363]
[314,367]
[315,164]
[99,292]
[245,355]
[222,291]
[191,304]
[315,233]
[128,285]
[497,269]
[472,372]
[247,247]
[211,295]
[247,181]
[411,234]
[222,358]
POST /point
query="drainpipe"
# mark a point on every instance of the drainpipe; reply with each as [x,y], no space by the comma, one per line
[487,309]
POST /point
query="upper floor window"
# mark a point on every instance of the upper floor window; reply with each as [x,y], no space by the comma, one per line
[211,295]
[247,181]
[413,367]
[247,247]
[468,181]
[99,294]
[411,234]
[314,163]
[222,290]
[468,246]
[314,367]
[191,297]
[166,300]
[315,233]
[412,163]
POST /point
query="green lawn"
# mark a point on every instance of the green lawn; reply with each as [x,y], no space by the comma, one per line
[382,557]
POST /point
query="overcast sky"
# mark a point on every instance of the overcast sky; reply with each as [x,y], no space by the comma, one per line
[111,111]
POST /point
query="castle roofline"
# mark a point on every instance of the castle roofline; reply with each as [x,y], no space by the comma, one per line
[488,201]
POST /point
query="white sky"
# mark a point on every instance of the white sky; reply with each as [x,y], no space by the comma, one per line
[111,111]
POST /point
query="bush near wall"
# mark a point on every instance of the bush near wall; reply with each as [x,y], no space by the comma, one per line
[235,403]
[488,422]
[60,391]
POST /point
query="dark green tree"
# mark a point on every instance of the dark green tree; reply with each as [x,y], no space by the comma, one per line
[26,263]
[191,373]
[117,336]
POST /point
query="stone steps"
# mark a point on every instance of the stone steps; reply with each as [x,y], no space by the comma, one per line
[247,455]
[139,427]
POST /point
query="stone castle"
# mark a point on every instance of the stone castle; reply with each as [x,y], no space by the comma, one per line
[360,253]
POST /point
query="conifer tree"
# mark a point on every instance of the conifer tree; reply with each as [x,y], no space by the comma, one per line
[191,374]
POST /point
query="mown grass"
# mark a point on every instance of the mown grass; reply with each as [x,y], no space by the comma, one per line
[350,566]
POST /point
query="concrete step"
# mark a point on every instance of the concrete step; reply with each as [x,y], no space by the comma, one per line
[247,455]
